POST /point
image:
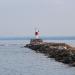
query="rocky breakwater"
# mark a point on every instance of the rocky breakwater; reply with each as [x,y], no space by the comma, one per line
[61,52]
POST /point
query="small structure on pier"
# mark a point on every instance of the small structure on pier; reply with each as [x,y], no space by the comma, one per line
[36,40]
[37,33]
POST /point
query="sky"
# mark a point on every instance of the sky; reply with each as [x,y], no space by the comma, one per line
[52,17]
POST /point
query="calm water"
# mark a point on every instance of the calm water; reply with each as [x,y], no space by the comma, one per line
[17,60]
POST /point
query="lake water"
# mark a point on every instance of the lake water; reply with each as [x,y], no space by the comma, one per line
[17,60]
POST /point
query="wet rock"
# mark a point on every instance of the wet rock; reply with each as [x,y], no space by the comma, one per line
[60,51]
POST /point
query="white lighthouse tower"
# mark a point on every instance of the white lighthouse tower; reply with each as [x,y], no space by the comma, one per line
[37,33]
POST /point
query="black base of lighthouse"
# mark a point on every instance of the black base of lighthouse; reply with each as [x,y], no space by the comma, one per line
[36,41]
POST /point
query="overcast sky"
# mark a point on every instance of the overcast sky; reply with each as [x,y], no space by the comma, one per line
[20,17]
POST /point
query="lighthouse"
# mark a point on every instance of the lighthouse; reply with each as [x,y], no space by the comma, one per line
[36,33]
[36,40]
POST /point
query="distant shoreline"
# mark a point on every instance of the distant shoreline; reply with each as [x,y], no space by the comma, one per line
[44,38]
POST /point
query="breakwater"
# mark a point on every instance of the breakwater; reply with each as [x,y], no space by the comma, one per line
[61,52]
